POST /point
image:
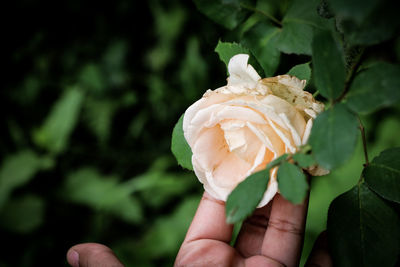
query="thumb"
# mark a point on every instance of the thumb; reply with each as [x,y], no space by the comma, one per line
[92,255]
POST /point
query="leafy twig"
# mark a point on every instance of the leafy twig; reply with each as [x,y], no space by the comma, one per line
[269,16]
[364,140]
[350,77]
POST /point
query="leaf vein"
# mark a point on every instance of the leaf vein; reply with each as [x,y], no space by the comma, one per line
[385,167]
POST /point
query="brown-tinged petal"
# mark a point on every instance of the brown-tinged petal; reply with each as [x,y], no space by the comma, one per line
[290,89]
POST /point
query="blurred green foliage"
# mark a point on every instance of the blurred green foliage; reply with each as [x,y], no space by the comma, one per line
[91,93]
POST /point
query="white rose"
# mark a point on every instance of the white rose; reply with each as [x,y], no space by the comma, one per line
[238,129]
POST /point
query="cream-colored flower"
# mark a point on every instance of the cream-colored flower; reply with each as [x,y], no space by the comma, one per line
[238,129]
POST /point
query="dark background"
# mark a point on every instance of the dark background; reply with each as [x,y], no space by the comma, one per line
[90,94]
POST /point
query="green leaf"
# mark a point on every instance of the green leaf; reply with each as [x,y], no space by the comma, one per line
[374,88]
[18,169]
[271,8]
[277,161]
[305,12]
[115,56]
[102,193]
[193,70]
[363,230]
[168,26]
[92,78]
[298,24]
[98,114]
[179,147]
[301,71]
[295,38]
[292,183]
[304,160]
[333,136]
[54,134]
[23,215]
[29,90]
[158,187]
[228,13]
[227,50]
[366,22]
[167,231]
[383,174]
[357,10]
[328,65]
[261,40]
[245,197]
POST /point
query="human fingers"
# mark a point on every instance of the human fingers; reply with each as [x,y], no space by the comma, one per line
[208,252]
[92,255]
[207,240]
[284,236]
[251,235]
[319,256]
[209,221]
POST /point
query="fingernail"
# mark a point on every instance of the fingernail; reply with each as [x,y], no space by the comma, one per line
[75,258]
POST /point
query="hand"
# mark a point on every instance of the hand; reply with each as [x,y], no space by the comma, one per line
[272,236]
[92,255]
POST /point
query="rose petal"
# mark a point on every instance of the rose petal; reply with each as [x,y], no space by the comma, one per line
[310,113]
[199,121]
[234,137]
[260,161]
[294,133]
[210,148]
[239,113]
[271,106]
[232,125]
[231,171]
[266,110]
[201,175]
[187,118]
[268,136]
[221,193]
[271,190]
[307,132]
[212,115]
[268,157]
[242,76]
[190,113]
[284,136]
[290,89]
[243,142]
[280,106]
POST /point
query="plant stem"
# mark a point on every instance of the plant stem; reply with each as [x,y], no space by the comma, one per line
[364,140]
[350,77]
[269,16]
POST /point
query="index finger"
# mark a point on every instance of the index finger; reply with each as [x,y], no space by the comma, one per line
[283,239]
[210,221]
